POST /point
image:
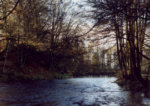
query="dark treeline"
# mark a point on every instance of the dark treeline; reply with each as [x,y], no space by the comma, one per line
[44,38]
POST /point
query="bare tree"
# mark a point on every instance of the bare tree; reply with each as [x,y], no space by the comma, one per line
[128,19]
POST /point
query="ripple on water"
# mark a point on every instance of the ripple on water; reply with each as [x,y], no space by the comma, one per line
[100,91]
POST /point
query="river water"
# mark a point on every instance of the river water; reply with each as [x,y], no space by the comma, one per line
[97,91]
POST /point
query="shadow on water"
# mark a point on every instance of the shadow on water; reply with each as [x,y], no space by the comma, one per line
[88,91]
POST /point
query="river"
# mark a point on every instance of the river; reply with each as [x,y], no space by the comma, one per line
[88,91]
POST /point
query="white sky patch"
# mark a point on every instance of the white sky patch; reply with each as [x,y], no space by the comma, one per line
[76,1]
[82,6]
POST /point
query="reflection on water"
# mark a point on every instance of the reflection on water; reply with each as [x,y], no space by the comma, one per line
[100,91]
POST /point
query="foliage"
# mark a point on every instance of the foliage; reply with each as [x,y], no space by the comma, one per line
[126,21]
[40,35]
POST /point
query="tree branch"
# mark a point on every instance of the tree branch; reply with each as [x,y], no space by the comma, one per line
[10,11]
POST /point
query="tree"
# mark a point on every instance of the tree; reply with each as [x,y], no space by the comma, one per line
[128,19]
[109,59]
[45,27]
[96,58]
[5,10]
[63,33]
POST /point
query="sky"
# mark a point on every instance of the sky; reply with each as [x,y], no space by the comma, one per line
[90,22]
[78,1]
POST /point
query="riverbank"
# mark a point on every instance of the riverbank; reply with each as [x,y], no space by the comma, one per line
[134,86]
[25,62]
[28,64]
[42,75]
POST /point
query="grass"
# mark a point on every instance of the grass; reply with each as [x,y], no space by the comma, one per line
[8,76]
[61,76]
[20,76]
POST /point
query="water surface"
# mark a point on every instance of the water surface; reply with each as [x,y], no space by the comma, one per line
[98,91]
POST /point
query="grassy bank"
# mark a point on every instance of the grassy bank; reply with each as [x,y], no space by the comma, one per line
[20,76]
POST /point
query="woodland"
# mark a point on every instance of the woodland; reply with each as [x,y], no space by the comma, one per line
[47,39]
